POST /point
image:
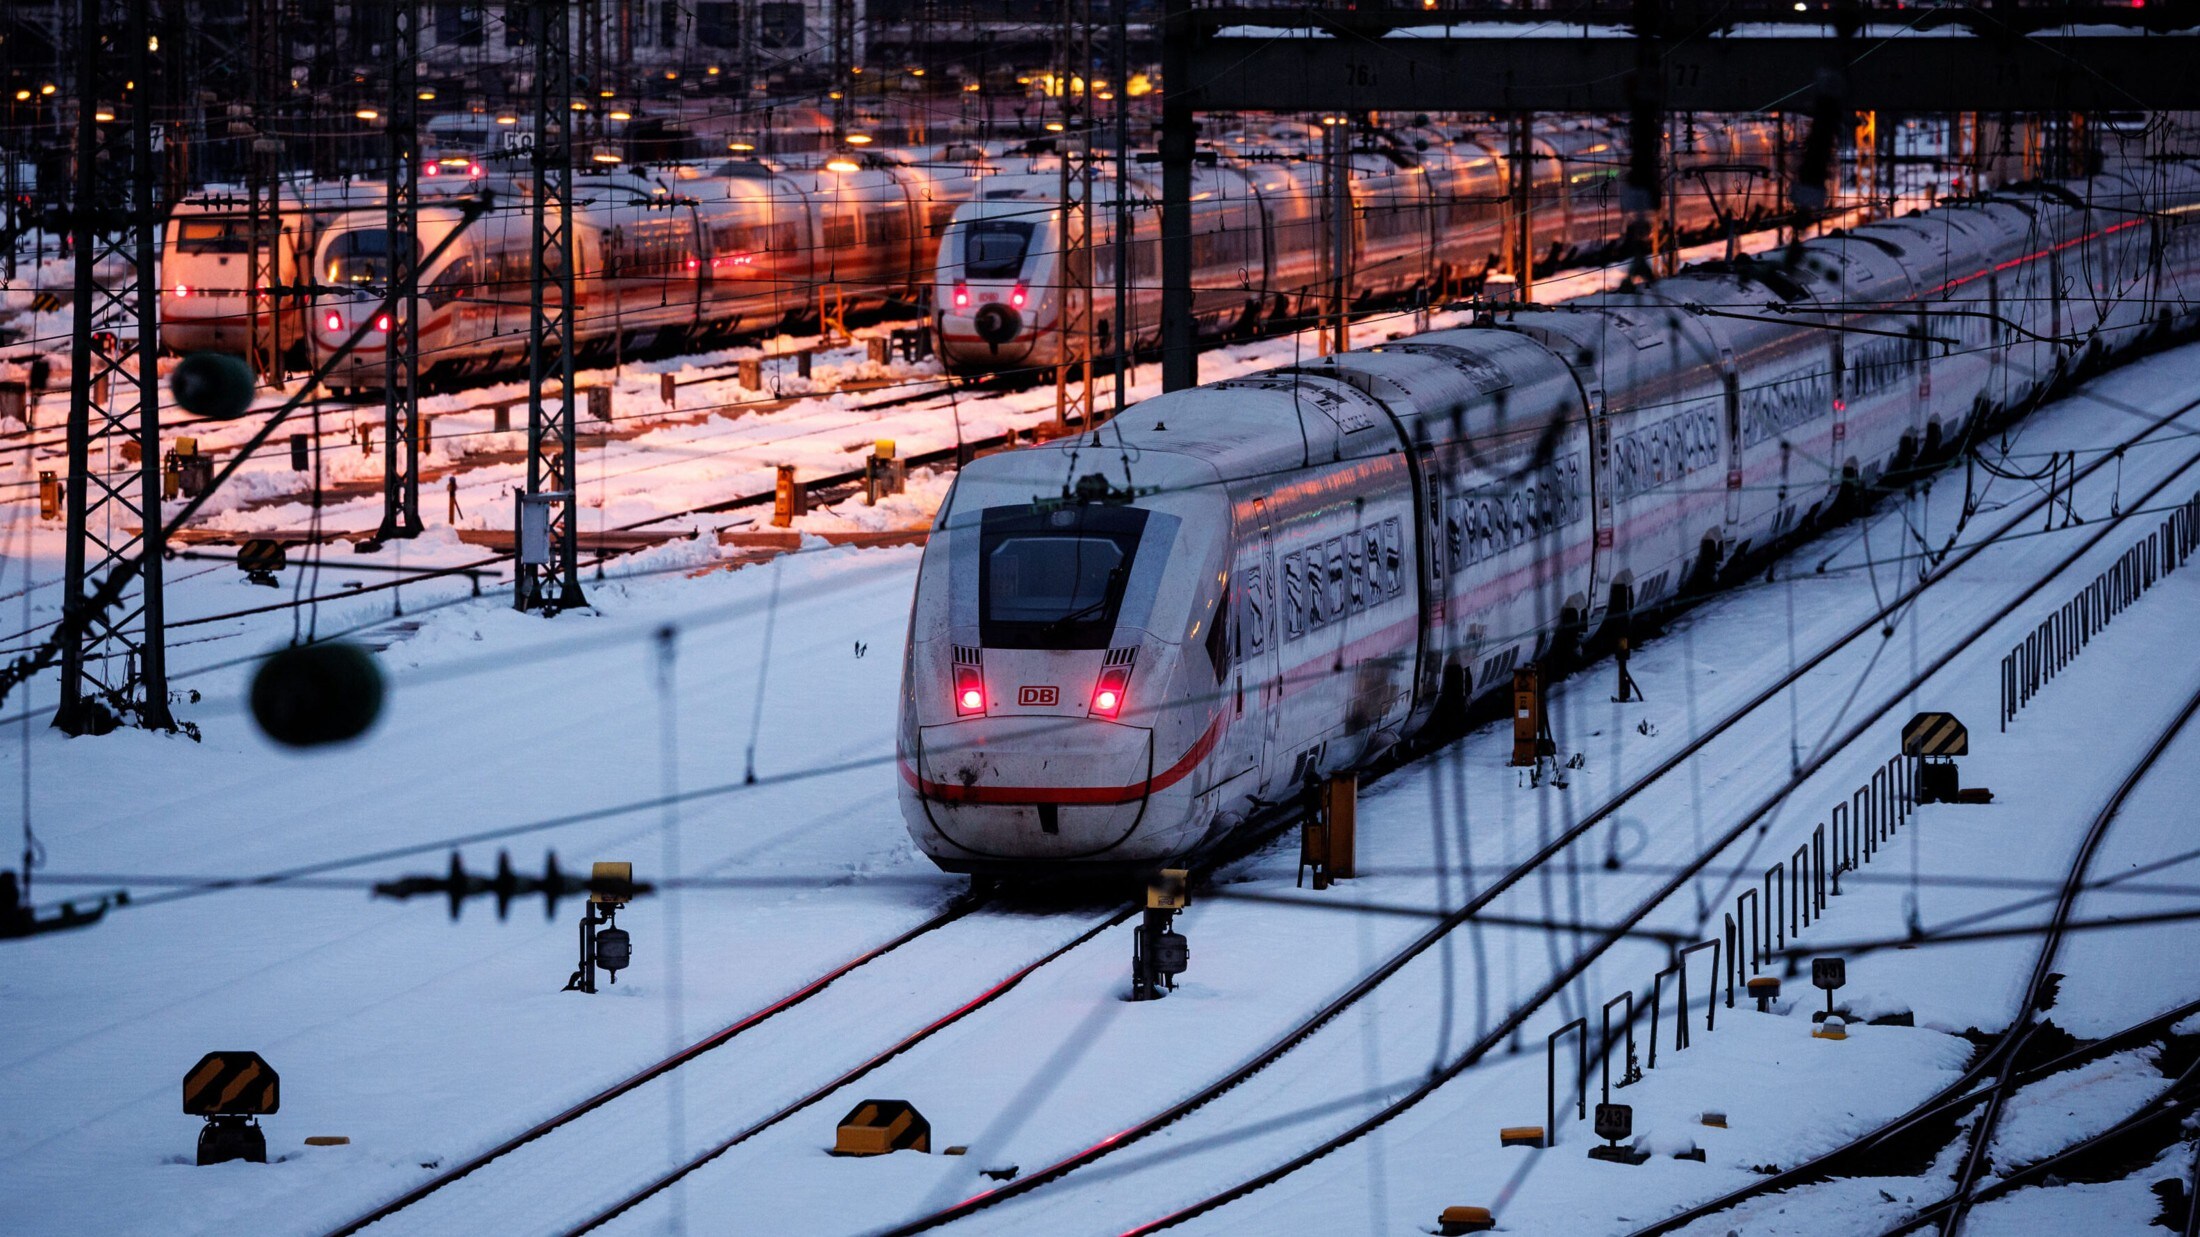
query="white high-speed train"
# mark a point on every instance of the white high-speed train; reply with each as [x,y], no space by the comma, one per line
[1124,643]
[1426,214]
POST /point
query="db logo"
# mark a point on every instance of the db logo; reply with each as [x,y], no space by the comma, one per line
[1040,696]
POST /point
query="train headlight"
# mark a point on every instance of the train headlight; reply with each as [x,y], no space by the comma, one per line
[1109,693]
[1016,298]
[969,691]
[962,296]
[335,321]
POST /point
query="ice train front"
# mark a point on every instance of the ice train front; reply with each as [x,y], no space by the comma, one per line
[1057,711]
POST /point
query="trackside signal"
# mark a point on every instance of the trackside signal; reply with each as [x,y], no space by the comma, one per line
[1934,740]
[229,1089]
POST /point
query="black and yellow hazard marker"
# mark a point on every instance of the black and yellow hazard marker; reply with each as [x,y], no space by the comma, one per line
[227,1084]
[1935,734]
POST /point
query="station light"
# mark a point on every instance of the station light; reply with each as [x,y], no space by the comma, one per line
[1110,692]
[859,139]
[969,691]
[842,165]
[367,113]
[622,114]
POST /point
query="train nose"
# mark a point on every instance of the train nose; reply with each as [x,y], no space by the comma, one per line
[1032,787]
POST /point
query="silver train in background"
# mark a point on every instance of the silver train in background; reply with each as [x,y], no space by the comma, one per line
[1428,215]
[1126,642]
[689,254]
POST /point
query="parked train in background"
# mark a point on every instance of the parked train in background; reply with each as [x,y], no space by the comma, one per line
[689,255]
[1428,216]
[1125,643]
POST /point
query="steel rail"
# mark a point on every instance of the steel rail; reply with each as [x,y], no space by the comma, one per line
[1368,983]
[1950,1212]
[956,909]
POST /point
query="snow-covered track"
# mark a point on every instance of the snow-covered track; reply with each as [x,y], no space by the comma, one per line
[1618,931]
[2001,1059]
[1965,1093]
[956,910]
[1865,630]
[555,1176]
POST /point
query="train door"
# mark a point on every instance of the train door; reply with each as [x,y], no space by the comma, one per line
[1731,379]
[1603,550]
[1259,640]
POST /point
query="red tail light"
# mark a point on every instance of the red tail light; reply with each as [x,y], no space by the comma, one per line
[382,322]
[335,321]
[1111,691]
[182,291]
[1016,298]
[694,263]
[962,296]
[969,691]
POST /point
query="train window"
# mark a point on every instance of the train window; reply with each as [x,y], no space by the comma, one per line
[1294,596]
[995,248]
[213,235]
[454,281]
[360,256]
[840,231]
[778,25]
[1253,625]
[889,227]
[1334,595]
[1054,579]
[1218,644]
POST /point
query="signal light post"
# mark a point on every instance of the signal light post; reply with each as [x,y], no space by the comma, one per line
[1159,953]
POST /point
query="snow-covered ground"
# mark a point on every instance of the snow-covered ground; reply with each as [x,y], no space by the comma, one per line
[425,1040]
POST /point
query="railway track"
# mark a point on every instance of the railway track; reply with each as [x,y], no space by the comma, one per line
[531,1170]
[2001,1060]
[556,1162]
[1996,1073]
[1117,1140]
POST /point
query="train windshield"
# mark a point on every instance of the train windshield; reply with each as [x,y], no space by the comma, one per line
[994,248]
[213,234]
[1054,579]
[360,256]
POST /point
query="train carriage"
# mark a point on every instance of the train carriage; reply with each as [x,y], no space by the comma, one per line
[1126,643]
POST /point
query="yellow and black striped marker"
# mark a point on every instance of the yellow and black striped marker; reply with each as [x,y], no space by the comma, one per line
[1935,734]
[231,1084]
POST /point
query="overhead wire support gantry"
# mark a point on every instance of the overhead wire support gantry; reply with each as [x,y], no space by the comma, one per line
[401,343]
[114,667]
[1079,129]
[545,531]
[263,184]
